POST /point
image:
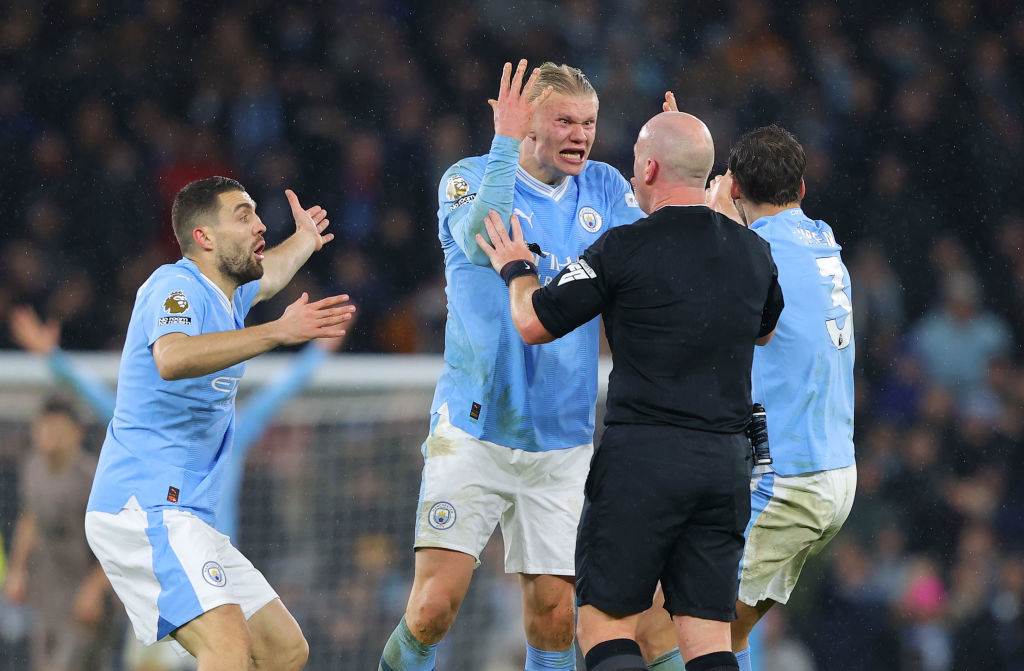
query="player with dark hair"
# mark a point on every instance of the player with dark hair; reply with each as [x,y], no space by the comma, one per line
[512,425]
[685,294]
[158,483]
[804,379]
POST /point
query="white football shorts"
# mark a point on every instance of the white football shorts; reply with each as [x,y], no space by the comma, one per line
[791,519]
[169,567]
[469,486]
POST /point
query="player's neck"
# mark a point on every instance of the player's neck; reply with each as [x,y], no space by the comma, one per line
[761,210]
[208,267]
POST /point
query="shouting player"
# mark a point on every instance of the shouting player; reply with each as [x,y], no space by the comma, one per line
[158,483]
[512,425]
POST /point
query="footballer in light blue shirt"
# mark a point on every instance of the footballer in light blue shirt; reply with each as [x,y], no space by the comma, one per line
[512,424]
[150,514]
[803,377]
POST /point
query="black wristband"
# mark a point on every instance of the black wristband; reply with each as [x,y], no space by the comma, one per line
[517,268]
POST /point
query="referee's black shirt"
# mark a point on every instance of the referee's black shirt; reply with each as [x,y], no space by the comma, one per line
[684,294]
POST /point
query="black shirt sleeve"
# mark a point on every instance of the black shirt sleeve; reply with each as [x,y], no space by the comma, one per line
[578,293]
[773,305]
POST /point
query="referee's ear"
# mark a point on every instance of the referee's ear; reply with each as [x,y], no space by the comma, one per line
[651,170]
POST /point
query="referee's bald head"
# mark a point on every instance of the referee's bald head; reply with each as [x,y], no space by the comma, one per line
[682,146]
[672,159]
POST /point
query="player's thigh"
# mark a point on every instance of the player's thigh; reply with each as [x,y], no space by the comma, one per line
[793,518]
[249,587]
[464,490]
[700,576]
[631,517]
[441,579]
[543,593]
[275,633]
[219,633]
[539,528]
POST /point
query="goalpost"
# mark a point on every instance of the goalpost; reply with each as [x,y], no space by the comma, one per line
[328,502]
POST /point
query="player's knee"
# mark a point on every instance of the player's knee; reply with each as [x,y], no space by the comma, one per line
[430,615]
[230,654]
[296,654]
[551,624]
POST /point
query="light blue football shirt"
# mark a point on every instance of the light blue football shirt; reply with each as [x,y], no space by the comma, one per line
[804,375]
[498,388]
[169,440]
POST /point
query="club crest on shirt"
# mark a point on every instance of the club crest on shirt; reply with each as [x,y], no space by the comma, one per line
[590,219]
[214,574]
[176,303]
[456,188]
[441,515]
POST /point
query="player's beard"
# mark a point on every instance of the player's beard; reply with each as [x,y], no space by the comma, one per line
[241,266]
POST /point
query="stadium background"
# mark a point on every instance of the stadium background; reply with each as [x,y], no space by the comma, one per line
[911,115]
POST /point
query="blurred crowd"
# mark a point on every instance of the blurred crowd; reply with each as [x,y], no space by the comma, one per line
[912,115]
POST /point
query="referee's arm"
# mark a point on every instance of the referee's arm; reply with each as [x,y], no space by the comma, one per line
[524,315]
[522,279]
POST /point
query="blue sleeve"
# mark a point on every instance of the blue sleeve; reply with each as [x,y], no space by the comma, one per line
[251,420]
[462,186]
[172,304]
[256,413]
[85,384]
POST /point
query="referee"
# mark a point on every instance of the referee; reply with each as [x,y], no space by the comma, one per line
[685,295]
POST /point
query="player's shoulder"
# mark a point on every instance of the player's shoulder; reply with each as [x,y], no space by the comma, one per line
[174,281]
[470,167]
[459,183]
[600,172]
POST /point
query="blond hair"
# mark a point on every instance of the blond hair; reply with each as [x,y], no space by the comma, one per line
[563,79]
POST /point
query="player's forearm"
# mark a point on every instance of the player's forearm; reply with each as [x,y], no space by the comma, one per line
[282,262]
[179,356]
[22,542]
[524,316]
[496,192]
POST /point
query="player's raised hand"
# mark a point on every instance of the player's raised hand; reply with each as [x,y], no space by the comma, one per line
[31,332]
[670,103]
[312,221]
[513,110]
[503,247]
[718,196]
[303,321]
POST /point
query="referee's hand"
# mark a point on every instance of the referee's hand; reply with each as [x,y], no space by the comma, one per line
[503,248]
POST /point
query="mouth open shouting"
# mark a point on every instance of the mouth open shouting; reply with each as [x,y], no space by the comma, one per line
[573,156]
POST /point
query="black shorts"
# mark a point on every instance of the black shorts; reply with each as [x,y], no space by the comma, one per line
[664,503]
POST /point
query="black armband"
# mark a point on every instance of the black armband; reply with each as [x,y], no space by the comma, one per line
[517,268]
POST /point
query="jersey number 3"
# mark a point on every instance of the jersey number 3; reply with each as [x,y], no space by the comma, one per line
[832,267]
